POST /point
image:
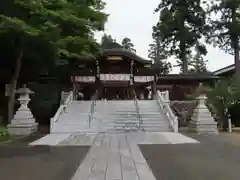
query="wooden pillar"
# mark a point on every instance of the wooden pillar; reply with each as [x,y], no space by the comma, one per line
[154,88]
[74,82]
[132,90]
[97,79]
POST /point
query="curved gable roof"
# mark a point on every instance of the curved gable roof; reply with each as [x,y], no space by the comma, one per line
[126,53]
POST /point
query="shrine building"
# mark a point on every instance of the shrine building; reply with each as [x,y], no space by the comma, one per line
[118,74]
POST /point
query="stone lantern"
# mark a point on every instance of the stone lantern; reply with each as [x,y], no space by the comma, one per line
[23,122]
[202,121]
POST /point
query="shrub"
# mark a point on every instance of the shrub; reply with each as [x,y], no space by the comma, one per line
[223,95]
[3,131]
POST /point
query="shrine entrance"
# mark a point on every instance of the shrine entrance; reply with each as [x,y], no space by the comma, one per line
[115,90]
[116,93]
[116,74]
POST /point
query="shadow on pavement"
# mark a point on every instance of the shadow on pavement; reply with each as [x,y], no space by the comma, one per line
[40,162]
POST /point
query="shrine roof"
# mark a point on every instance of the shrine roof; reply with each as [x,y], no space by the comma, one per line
[188,76]
[116,52]
[225,70]
[126,53]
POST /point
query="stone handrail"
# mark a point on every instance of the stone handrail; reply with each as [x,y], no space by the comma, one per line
[137,108]
[92,108]
[163,102]
[61,109]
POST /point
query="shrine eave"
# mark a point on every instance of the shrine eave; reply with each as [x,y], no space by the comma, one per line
[189,76]
[126,53]
[225,70]
[114,52]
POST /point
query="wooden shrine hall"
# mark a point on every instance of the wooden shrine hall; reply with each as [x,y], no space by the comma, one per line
[118,74]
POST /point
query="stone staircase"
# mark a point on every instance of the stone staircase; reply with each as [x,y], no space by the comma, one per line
[116,116]
[74,119]
[112,116]
[152,118]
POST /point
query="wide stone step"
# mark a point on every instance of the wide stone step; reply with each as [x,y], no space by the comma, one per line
[122,115]
[157,130]
[155,123]
[123,122]
[152,116]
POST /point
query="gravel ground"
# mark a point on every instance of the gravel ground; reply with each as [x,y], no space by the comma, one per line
[215,157]
[40,162]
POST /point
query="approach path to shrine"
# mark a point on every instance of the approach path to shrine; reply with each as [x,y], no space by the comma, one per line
[114,156]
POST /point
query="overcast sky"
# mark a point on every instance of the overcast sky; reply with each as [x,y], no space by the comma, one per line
[134,19]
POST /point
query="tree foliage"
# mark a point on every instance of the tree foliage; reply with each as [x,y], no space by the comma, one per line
[181,25]
[224,94]
[158,54]
[197,63]
[128,45]
[224,28]
[107,42]
[63,29]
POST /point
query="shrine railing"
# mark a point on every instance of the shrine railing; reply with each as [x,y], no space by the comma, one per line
[61,109]
[137,108]
[163,102]
[92,108]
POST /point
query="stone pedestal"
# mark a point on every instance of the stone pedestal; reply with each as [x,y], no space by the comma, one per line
[23,122]
[202,121]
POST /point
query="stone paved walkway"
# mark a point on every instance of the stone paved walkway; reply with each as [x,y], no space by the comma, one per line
[114,156]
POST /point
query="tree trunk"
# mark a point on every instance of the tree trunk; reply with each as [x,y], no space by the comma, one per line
[236,56]
[235,42]
[183,57]
[13,86]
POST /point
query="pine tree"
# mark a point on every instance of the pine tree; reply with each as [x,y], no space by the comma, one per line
[107,42]
[198,63]
[128,45]
[224,31]
[181,25]
[158,55]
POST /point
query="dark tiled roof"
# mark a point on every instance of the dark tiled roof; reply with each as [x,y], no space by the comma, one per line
[117,52]
[188,76]
[124,52]
[224,70]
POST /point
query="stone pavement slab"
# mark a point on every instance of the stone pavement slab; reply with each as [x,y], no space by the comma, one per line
[113,156]
[51,139]
[118,157]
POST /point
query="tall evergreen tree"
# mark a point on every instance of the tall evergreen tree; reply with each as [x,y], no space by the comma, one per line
[181,25]
[107,42]
[128,45]
[224,29]
[197,62]
[158,55]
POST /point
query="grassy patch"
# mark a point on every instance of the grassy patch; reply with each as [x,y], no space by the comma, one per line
[4,136]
